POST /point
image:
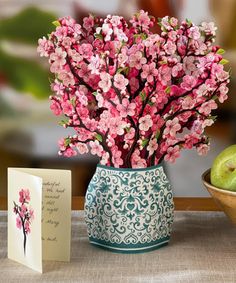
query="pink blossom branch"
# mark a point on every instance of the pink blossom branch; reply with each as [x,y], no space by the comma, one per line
[202,141]
[142,84]
[194,110]
[174,98]
[136,138]
[82,82]
[117,92]
[103,142]
[112,51]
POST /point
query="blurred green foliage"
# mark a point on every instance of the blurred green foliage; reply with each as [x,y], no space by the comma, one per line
[25,75]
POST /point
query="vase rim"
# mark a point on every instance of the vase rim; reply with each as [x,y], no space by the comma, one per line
[130,169]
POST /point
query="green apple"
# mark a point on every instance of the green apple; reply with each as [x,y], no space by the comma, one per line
[223,171]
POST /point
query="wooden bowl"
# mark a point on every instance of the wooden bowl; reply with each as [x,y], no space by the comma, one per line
[226,200]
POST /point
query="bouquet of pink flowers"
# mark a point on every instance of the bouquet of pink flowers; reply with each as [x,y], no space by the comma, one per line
[134,98]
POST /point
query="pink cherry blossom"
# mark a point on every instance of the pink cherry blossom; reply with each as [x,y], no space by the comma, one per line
[24,196]
[207,107]
[84,72]
[207,123]
[69,152]
[105,158]
[152,146]
[86,50]
[88,22]
[96,148]
[61,31]
[203,149]
[23,209]
[75,56]
[188,102]
[222,76]
[106,31]
[44,47]
[194,33]
[122,58]
[172,154]
[117,126]
[173,22]
[165,74]
[130,134]
[145,123]
[59,57]
[110,49]
[137,60]
[31,213]
[209,28]
[100,100]
[223,90]
[189,82]
[94,64]
[161,99]
[170,47]
[27,227]
[189,65]
[83,99]
[61,143]
[116,20]
[191,140]
[126,108]
[134,84]
[105,82]
[137,161]
[67,42]
[143,19]
[56,108]
[203,90]
[149,71]
[67,21]
[67,78]
[116,158]
[120,82]
[177,69]
[67,108]
[18,223]
[172,126]
[82,148]
[90,124]
[58,87]
[165,22]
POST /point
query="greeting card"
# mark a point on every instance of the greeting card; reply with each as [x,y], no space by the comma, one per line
[39,216]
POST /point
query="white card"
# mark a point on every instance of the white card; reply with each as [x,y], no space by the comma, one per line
[39,216]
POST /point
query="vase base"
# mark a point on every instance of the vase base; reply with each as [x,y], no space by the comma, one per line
[129,249]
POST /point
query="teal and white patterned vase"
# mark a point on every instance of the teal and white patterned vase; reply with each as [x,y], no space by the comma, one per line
[129,210]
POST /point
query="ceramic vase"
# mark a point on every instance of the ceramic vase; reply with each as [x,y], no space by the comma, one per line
[129,210]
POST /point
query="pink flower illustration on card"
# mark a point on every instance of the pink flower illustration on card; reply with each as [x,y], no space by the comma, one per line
[24,214]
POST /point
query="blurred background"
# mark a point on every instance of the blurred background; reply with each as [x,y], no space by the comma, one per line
[29,131]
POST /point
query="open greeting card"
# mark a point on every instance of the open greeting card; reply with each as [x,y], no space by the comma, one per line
[39,216]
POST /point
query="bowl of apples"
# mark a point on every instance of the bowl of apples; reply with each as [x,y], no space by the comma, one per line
[220,181]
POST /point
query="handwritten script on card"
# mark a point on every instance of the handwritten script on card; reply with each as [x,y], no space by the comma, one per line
[53,193]
[56,215]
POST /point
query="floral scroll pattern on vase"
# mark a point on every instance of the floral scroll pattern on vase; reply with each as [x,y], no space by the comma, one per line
[129,210]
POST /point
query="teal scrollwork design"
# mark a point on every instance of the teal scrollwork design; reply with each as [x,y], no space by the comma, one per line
[129,210]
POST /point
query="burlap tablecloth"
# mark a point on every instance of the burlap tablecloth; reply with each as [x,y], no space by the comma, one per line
[202,249]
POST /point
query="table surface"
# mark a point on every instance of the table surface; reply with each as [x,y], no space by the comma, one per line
[202,249]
